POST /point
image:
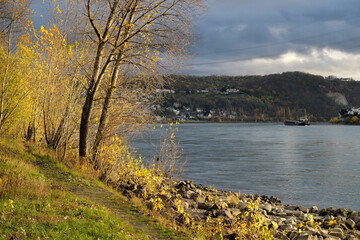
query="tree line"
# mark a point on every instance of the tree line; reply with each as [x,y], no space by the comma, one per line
[273,97]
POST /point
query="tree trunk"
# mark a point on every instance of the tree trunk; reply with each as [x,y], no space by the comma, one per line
[104,115]
[84,124]
[30,134]
[86,110]
[109,92]
[3,84]
[96,77]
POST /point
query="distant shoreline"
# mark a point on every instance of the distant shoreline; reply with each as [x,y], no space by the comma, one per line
[205,121]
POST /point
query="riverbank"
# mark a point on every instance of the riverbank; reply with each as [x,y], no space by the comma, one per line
[346,120]
[310,171]
[230,215]
[58,201]
[300,165]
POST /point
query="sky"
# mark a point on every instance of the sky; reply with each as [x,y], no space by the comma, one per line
[257,37]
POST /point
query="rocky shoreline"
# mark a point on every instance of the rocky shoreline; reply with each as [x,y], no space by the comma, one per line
[192,205]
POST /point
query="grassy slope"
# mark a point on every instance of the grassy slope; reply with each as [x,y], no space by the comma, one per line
[42,199]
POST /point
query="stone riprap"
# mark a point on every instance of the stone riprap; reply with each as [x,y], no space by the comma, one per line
[189,203]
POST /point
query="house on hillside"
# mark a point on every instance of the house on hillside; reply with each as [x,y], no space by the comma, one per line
[232,90]
[163,91]
[177,105]
[183,115]
[349,112]
[204,91]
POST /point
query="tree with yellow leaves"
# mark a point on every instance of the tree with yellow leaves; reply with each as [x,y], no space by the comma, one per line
[133,38]
[61,76]
[13,16]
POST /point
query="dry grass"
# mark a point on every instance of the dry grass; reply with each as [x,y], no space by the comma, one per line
[19,177]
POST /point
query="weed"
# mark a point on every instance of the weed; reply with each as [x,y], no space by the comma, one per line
[249,225]
[168,160]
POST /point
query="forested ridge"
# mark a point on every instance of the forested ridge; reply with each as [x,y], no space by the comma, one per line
[274,97]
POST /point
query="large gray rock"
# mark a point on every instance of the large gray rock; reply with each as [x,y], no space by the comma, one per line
[242,205]
[332,238]
[312,230]
[205,205]
[287,227]
[291,220]
[278,211]
[352,214]
[350,223]
[341,212]
[228,214]
[337,232]
[340,219]
[351,237]
[314,209]
[185,193]
[323,232]
[235,212]
[274,225]
[305,236]
[294,213]
[355,218]
[290,207]
[195,196]
[302,209]
[326,211]
[329,218]
[218,206]
[266,207]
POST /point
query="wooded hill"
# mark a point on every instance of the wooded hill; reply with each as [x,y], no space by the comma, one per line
[274,97]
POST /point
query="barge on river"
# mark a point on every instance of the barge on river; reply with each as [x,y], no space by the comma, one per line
[300,122]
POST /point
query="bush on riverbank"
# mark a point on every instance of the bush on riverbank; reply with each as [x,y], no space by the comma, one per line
[353,120]
[187,207]
[51,211]
[214,214]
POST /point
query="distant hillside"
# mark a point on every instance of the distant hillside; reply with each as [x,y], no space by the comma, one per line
[274,97]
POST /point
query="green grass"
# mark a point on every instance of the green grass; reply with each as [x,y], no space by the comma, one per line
[36,203]
[63,217]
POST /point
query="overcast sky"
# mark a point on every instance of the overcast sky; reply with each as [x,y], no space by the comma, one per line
[241,37]
[238,37]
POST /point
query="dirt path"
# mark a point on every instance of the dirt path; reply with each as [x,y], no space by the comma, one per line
[112,201]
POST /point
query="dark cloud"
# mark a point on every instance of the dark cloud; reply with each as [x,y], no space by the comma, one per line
[262,36]
[249,29]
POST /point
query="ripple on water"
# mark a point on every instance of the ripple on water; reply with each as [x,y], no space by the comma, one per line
[316,165]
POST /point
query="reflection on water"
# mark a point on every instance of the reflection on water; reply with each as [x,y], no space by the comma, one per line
[315,165]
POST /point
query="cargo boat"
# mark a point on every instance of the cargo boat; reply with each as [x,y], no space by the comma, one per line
[300,122]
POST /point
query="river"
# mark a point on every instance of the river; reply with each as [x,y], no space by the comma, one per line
[314,165]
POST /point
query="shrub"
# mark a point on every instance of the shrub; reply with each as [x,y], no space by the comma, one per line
[334,120]
[354,120]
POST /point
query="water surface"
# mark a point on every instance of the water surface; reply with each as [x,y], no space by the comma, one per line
[316,165]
